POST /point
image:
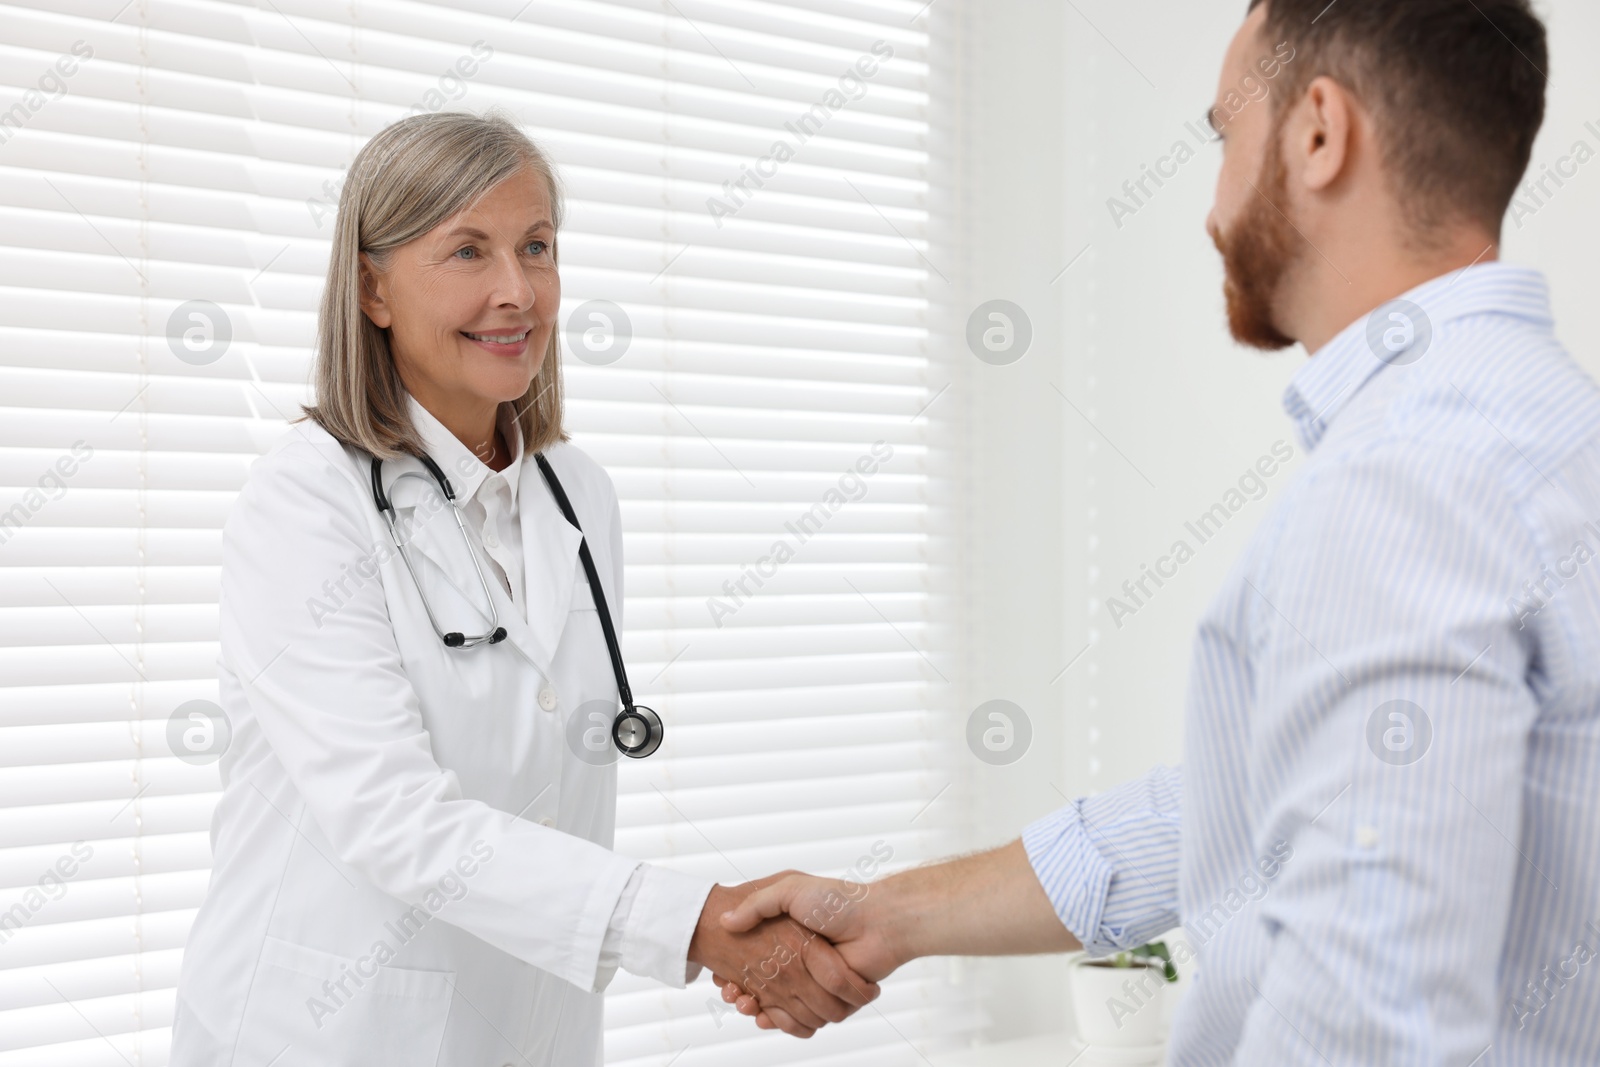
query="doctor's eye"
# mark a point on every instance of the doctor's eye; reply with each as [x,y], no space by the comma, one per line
[542,246]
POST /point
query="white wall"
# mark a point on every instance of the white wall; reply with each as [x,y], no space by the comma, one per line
[1562,237]
[1066,102]
[1010,102]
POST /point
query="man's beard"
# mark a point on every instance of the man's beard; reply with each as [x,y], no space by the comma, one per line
[1257,251]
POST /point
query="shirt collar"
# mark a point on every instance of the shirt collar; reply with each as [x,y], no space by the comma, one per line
[466,471]
[1399,333]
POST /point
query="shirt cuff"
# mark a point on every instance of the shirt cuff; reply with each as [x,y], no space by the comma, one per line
[652,925]
[1109,862]
[1074,875]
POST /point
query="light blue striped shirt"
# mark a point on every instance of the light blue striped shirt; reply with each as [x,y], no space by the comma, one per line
[1384,843]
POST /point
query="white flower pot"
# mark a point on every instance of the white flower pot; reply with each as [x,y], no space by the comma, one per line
[1119,1007]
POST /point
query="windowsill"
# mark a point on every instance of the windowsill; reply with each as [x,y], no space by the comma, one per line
[1029,1052]
[1046,1050]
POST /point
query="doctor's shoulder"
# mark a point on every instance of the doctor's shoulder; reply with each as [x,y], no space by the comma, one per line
[585,480]
[304,470]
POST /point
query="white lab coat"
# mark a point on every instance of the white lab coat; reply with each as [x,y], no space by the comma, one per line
[375,898]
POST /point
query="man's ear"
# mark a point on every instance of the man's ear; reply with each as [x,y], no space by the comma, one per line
[1320,134]
[371,298]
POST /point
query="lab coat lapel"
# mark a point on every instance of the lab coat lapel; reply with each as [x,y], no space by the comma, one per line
[424,522]
[549,558]
[437,550]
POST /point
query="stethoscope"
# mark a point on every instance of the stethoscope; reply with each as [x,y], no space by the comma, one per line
[637,730]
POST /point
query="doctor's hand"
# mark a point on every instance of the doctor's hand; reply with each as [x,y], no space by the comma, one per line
[852,915]
[799,979]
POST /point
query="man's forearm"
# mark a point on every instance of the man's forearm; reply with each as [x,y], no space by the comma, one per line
[989,904]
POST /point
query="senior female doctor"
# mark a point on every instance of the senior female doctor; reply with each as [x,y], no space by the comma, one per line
[412,859]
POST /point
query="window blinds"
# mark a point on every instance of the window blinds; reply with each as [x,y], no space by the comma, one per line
[746,311]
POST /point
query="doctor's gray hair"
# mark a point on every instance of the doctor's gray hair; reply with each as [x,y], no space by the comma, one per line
[410,177]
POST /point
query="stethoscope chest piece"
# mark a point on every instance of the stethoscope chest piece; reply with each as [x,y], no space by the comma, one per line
[637,731]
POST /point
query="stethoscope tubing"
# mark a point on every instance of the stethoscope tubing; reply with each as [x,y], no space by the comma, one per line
[637,731]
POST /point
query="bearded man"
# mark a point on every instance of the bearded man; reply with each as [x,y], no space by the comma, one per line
[1382,843]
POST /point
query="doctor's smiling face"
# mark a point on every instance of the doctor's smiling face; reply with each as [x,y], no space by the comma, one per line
[470,307]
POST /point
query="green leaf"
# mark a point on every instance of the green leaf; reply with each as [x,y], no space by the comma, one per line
[1157,950]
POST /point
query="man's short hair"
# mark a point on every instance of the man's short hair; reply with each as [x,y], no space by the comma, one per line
[1456,89]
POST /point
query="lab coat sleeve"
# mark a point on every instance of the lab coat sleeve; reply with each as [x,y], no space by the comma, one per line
[656,915]
[305,627]
[1391,738]
[1109,862]
[654,922]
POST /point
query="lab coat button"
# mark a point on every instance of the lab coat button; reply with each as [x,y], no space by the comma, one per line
[547,821]
[547,699]
[490,539]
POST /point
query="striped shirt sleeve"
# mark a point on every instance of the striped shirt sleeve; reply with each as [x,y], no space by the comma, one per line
[1109,862]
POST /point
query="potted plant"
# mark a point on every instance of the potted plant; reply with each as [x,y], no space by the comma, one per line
[1120,998]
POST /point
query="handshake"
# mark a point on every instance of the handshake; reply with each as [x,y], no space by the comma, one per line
[799,952]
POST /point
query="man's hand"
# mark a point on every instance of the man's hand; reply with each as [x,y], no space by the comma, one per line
[799,979]
[839,911]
